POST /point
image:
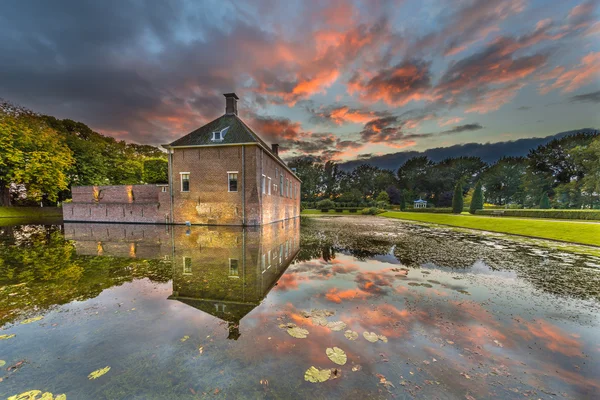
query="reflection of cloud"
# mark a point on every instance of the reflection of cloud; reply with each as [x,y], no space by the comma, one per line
[553,337]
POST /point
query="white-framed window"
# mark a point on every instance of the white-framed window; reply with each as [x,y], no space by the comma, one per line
[187,265]
[163,189]
[263,264]
[185,181]
[264,184]
[269,186]
[234,271]
[218,136]
[232,181]
[281,185]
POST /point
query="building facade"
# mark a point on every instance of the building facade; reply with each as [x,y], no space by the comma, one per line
[222,173]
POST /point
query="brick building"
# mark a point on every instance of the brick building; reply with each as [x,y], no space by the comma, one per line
[222,173]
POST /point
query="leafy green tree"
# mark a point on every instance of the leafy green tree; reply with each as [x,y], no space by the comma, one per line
[545,201]
[311,174]
[325,204]
[503,181]
[394,194]
[587,158]
[384,197]
[352,196]
[32,154]
[457,199]
[403,201]
[156,170]
[477,200]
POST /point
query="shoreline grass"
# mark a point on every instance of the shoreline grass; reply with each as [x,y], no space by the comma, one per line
[30,212]
[582,232]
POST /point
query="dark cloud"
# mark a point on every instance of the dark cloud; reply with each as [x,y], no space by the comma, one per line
[463,128]
[524,108]
[592,97]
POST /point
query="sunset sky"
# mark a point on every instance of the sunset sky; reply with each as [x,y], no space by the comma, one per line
[334,79]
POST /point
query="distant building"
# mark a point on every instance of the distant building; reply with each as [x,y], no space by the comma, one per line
[222,173]
[420,203]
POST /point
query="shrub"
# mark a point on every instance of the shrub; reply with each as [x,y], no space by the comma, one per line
[558,214]
[403,202]
[325,205]
[477,200]
[457,199]
[544,201]
[435,210]
[371,211]
[383,197]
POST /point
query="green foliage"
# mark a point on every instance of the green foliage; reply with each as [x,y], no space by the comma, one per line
[403,201]
[556,214]
[352,196]
[545,201]
[156,170]
[383,197]
[34,155]
[325,204]
[477,200]
[457,199]
[372,211]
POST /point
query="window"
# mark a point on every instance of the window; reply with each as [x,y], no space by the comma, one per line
[233,268]
[281,185]
[233,180]
[187,265]
[264,184]
[263,263]
[269,186]
[218,136]
[163,189]
[185,181]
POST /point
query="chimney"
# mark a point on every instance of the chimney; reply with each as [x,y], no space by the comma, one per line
[275,149]
[231,103]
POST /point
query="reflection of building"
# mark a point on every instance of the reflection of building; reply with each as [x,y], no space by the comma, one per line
[223,271]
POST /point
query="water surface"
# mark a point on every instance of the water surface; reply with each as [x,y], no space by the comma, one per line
[203,312]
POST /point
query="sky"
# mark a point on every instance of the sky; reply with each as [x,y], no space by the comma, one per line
[337,80]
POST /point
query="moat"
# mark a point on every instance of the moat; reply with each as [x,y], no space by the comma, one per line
[214,312]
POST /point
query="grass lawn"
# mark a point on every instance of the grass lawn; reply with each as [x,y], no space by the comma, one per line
[30,212]
[331,212]
[568,231]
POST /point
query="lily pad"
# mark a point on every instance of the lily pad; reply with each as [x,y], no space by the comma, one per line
[336,355]
[371,336]
[183,339]
[29,395]
[297,332]
[351,335]
[316,375]
[2,363]
[98,373]
[30,320]
[336,325]
[318,320]
[6,337]
[287,326]
[382,338]
[318,313]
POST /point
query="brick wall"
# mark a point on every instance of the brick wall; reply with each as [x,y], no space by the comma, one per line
[209,200]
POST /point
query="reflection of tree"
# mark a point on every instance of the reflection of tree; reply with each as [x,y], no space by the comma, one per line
[40,269]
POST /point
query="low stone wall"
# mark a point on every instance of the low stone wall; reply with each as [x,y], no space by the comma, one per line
[150,213]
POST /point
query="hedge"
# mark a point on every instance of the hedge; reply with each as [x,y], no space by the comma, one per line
[556,214]
[436,210]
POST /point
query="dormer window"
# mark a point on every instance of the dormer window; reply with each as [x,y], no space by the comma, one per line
[219,136]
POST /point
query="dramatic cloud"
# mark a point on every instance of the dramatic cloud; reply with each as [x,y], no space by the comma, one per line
[593,97]
[325,79]
[463,128]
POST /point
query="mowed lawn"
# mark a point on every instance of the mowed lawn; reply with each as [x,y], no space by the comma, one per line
[30,212]
[583,232]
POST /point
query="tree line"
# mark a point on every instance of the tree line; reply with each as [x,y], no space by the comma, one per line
[41,157]
[564,173]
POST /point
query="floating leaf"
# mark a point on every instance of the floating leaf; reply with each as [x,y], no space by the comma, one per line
[30,320]
[382,338]
[371,336]
[98,373]
[6,337]
[336,355]
[183,339]
[315,375]
[356,368]
[298,333]
[351,335]
[2,363]
[29,395]
[61,397]
[318,313]
[287,326]
[336,326]
[318,320]
[335,373]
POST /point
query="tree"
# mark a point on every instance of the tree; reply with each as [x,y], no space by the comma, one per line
[403,201]
[545,201]
[503,181]
[383,197]
[477,200]
[457,199]
[32,154]
[394,194]
[156,170]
